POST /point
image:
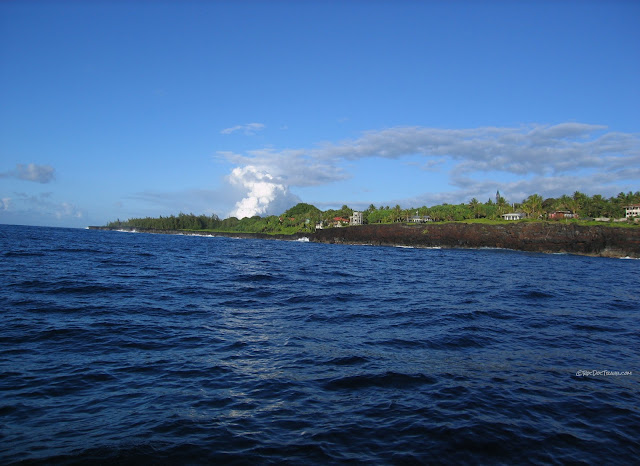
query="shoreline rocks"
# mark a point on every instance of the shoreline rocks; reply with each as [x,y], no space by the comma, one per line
[545,237]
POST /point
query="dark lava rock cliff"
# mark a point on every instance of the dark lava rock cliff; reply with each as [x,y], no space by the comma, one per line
[523,236]
[550,237]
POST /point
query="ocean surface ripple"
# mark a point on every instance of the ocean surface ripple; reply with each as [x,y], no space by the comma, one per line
[136,348]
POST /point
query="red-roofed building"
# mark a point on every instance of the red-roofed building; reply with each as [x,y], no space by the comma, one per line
[560,214]
[339,221]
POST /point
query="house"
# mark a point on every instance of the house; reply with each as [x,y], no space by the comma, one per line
[339,221]
[561,214]
[513,216]
[356,218]
[632,210]
[420,219]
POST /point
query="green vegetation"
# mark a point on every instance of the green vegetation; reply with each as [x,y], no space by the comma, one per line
[304,217]
[181,222]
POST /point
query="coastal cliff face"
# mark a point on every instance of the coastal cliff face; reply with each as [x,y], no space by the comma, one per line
[546,237]
[535,236]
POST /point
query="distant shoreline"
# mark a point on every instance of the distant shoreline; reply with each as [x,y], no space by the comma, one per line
[223,234]
[545,237]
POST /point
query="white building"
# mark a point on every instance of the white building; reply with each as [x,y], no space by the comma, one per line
[356,218]
[513,216]
[632,210]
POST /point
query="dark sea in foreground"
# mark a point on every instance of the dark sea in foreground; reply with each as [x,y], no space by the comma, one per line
[136,348]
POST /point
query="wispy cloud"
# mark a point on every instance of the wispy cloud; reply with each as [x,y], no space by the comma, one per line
[207,201]
[551,159]
[294,167]
[42,204]
[534,149]
[248,129]
[31,172]
[66,209]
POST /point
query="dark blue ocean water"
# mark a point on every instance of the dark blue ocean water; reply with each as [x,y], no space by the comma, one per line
[135,348]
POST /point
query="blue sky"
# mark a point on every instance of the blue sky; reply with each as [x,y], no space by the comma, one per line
[113,109]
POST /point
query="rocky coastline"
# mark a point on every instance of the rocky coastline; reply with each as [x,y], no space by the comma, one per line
[545,237]
[293,237]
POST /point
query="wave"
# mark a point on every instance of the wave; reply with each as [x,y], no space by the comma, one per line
[23,254]
[389,379]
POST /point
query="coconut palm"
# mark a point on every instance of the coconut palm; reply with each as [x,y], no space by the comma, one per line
[397,213]
[532,206]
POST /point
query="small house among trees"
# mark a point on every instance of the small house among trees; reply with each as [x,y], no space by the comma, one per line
[562,214]
[513,216]
[340,221]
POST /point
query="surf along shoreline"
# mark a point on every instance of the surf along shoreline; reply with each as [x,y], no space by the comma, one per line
[545,237]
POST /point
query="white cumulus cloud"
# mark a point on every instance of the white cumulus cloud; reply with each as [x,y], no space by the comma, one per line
[263,194]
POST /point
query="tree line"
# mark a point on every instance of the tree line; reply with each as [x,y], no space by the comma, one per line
[304,217]
[534,206]
[179,222]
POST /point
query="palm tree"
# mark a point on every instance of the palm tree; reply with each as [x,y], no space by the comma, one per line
[473,205]
[397,213]
[532,206]
[598,206]
[564,202]
[580,200]
[503,205]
